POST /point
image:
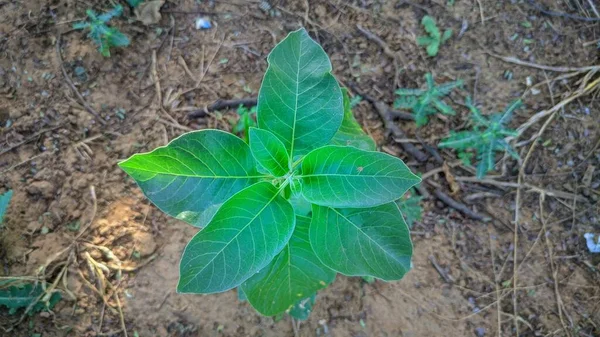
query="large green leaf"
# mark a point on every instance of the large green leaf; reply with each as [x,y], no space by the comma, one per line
[269,151]
[362,241]
[194,174]
[242,238]
[294,274]
[4,200]
[299,100]
[350,133]
[348,177]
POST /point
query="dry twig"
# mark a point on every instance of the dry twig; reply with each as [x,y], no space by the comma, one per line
[222,104]
[72,85]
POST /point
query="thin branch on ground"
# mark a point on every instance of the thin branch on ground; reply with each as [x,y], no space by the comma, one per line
[395,56]
[446,199]
[29,139]
[515,60]
[391,127]
[496,286]
[563,15]
[447,278]
[559,302]
[72,85]
[223,104]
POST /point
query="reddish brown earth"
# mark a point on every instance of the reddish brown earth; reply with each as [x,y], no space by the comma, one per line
[52,151]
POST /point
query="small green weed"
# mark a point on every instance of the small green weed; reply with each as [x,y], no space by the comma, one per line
[435,38]
[246,121]
[426,102]
[486,137]
[103,35]
[410,207]
[15,295]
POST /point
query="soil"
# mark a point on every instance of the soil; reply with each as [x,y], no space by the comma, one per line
[60,161]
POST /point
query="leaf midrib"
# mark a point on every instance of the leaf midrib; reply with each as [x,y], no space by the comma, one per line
[195,176]
[291,154]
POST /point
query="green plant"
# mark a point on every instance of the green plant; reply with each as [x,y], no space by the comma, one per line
[282,214]
[246,120]
[134,3]
[16,294]
[103,35]
[435,38]
[410,207]
[486,137]
[426,102]
[4,200]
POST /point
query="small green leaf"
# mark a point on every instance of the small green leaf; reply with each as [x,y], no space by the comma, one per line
[447,35]
[299,100]
[362,241]
[350,133]
[242,238]
[195,173]
[4,200]
[294,274]
[410,207]
[303,308]
[16,295]
[269,152]
[348,177]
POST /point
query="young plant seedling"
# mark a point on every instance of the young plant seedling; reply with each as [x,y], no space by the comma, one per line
[426,102]
[486,137]
[282,215]
[435,38]
[246,120]
[410,207]
[103,35]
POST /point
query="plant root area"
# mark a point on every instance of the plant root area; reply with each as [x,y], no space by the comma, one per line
[498,256]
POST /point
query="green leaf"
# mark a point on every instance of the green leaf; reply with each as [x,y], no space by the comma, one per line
[430,26]
[348,177]
[242,238]
[362,241]
[424,40]
[302,309]
[4,200]
[460,140]
[432,49]
[410,207]
[350,133]
[269,152]
[447,35]
[195,173]
[15,295]
[294,274]
[299,100]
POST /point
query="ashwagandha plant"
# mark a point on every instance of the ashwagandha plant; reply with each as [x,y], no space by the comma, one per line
[486,137]
[435,38]
[103,35]
[306,198]
[426,102]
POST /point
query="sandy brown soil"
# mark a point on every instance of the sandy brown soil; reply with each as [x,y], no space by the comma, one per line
[53,151]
